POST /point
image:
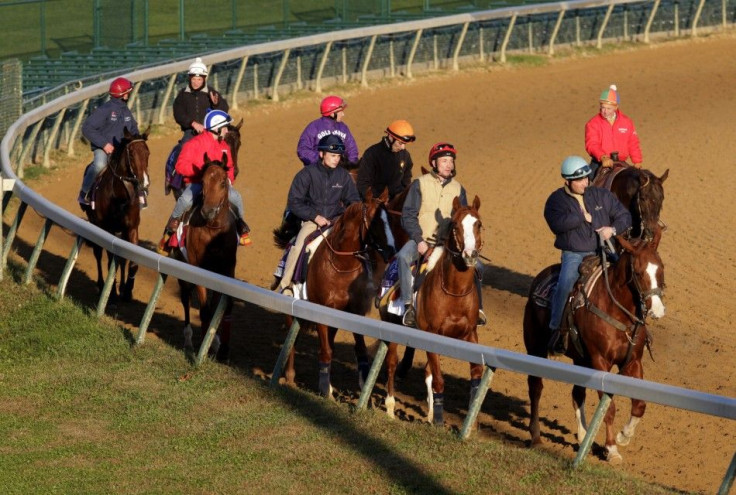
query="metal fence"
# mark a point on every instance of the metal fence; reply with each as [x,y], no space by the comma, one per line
[358,55]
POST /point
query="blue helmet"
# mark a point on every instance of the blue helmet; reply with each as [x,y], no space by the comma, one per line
[575,167]
[216,119]
[331,144]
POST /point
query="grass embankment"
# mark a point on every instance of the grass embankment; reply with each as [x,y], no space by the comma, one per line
[82,411]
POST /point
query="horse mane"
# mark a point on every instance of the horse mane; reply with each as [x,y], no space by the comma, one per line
[338,230]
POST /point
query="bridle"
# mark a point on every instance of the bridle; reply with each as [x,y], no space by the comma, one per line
[216,210]
[133,178]
[458,254]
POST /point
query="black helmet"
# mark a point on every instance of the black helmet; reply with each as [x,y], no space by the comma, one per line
[331,144]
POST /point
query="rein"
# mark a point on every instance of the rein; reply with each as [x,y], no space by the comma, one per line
[360,254]
[134,179]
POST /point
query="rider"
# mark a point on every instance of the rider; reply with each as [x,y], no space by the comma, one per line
[190,164]
[190,107]
[195,100]
[426,218]
[318,195]
[610,131]
[575,213]
[332,109]
[388,162]
[104,130]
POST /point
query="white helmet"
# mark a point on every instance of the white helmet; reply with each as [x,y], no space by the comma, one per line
[197,68]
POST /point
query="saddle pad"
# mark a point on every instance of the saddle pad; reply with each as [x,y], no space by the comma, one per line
[542,296]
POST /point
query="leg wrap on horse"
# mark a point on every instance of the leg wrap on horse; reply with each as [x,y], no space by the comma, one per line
[324,379]
[438,408]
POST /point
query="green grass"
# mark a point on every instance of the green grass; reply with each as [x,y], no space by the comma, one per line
[82,411]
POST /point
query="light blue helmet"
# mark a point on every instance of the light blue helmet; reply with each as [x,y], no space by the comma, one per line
[216,119]
[575,167]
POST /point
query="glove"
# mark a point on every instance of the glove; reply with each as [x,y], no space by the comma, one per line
[637,165]
[606,162]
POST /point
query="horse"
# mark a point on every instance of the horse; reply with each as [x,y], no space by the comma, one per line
[447,304]
[173,181]
[338,276]
[640,191]
[610,318]
[116,208]
[211,243]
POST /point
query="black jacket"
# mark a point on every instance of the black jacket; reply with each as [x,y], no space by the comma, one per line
[320,190]
[565,218]
[191,106]
[379,168]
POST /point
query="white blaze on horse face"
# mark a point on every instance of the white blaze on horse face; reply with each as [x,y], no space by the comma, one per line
[387,229]
[468,235]
[657,309]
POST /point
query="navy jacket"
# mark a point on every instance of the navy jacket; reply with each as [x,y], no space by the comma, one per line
[320,190]
[106,123]
[565,218]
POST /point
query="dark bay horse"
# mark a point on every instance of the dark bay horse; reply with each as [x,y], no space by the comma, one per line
[116,208]
[338,276]
[211,243]
[640,191]
[447,304]
[610,317]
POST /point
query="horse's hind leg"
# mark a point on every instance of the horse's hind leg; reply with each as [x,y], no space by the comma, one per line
[406,363]
[326,341]
[435,390]
[184,297]
[361,355]
[126,289]
[535,386]
[97,250]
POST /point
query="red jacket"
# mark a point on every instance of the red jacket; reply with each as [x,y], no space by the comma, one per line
[191,158]
[601,138]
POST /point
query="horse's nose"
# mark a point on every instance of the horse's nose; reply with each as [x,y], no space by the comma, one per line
[657,308]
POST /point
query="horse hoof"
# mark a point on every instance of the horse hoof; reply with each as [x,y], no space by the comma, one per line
[622,439]
[613,457]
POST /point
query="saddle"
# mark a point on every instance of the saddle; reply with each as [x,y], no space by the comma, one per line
[299,279]
[604,177]
[173,180]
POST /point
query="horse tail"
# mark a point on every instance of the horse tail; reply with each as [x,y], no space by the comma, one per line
[281,238]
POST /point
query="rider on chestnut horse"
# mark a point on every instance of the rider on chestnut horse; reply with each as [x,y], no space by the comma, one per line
[429,196]
[387,163]
[189,165]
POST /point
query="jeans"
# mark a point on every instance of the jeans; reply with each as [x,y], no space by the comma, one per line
[99,162]
[568,276]
[407,256]
[186,200]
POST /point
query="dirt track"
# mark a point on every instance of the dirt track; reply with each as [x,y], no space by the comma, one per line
[512,128]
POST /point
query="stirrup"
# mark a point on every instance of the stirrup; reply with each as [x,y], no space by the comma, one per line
[556,345]
[409,319]
[163,247]
[244,239]
[482,319]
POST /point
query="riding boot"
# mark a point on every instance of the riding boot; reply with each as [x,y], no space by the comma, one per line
[83,199]
[558,342]
[243,232]
[163,247]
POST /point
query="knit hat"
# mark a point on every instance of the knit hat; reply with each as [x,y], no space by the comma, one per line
[610,95]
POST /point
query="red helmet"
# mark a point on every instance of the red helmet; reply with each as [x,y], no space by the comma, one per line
[120,87]
[331,105]
[441,149]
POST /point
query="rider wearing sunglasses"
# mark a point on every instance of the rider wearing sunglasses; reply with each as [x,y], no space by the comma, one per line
[388,162]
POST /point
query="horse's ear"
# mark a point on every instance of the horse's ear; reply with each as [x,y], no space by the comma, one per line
[224,159]
[126,133]
[657,237]
[206,158]
[424,170]
[456,203]
[240,124]
[384,195]
[146,132]
[476,203]
[625,244]
[665,175]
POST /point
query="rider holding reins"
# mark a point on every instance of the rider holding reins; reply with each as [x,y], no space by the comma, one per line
[611,132]
[426,218]
[190,164]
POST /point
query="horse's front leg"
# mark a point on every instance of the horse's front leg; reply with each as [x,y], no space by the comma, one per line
[638,406]
[326,340]
[578,405]
[435,389]
[361,355]
[126,284]
[392,358]
[114,290]
[612,454]
[184,295]
[97,250]
[476,371]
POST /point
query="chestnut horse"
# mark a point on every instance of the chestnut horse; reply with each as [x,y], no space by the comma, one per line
[610,318]
[116,208]
[447,304]
[211,243]
[338,276]
[640,191]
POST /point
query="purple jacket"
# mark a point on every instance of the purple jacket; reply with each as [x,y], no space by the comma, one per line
[307,151]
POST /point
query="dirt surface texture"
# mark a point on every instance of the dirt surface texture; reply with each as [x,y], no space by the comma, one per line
[512,127]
